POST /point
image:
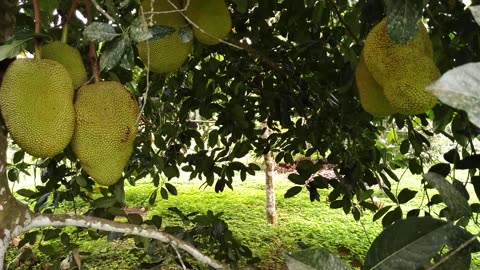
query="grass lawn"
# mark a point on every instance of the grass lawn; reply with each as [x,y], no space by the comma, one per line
[314,224]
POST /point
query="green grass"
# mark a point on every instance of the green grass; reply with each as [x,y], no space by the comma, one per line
[313,223]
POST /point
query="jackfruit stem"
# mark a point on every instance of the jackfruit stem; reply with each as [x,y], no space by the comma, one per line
[92,51]
[38,23]
[65,33]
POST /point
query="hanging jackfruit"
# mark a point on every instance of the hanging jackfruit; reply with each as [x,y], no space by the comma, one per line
[370,92]
[402,70]
[106,126]
[168,53]
[69,57]
[212,16]
[36,100]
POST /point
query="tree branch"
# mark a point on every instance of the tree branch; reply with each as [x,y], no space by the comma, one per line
[62,220]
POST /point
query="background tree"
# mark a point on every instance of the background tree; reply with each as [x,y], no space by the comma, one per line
[289,64]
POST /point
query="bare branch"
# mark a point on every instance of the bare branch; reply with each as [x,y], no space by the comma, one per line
[62,220]
[101,10]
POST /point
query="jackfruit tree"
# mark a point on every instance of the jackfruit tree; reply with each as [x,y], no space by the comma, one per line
[147,103]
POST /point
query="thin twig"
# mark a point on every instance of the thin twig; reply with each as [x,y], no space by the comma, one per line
[92,51]
[101,10]
[72,10]
[203,31]
[38,24]
[453,252]
[342,21]
[179,258]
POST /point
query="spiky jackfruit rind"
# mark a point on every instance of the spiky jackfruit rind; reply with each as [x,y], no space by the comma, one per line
[69,57]
[169,53]
[370,92]
[407,94]
[212,16]
[106,127]
[384,58]
[36,100]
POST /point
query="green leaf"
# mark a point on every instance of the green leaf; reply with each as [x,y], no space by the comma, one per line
[296,179]
[13,48]
[26,193]
[18,156]
[406,195]
[185,34]
[381,212]
[104,202]
[139,30]
[403,16]
[113,53]
[470,162]
[404,146]
[314,259]
[160,31]
[100,32]
[81,181]
[441,168]
[153,197]
[452,156]
[366,195]
[408,244]
[415,167]
[392,216]
[164,193]
[460,88]
[453,198]
[47,250]
[241,5]
[292,191]
[171,188]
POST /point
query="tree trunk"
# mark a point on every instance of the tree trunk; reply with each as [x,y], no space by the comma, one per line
[269,186]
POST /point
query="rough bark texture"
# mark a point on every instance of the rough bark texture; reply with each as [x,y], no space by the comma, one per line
[270,207]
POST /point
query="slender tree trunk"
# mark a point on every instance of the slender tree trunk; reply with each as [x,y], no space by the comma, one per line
[269,186]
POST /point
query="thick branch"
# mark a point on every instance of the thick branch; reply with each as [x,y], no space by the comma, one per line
[61,220]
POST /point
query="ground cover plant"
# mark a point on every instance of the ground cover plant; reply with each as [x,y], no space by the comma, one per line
[179,88]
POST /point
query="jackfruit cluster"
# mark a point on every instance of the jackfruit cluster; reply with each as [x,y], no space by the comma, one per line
[36,101]
[69,57]
[106,127]
[211,22]
[394,76]
[169,53]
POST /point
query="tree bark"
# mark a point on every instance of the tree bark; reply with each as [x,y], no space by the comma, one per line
[269,162]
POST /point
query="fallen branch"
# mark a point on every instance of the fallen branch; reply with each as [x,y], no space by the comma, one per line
[62,220]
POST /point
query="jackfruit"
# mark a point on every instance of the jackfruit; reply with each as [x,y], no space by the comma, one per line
[106,126]
[370,92]
[212,16]
[69,57]
[168,53]
[36,101]
[383,57]
[407,93]
[402,70]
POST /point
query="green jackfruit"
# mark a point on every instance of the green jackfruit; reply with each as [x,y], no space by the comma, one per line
[106,126]
[36,100]
[169,53]
[69,57]
[370,92]
[212,16]
[383,57]
[407,94]
[402,70]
